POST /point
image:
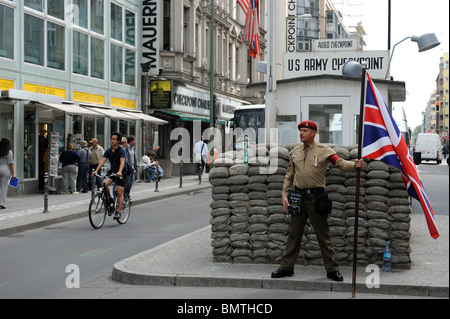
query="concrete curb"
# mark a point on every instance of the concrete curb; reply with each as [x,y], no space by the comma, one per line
[199,271]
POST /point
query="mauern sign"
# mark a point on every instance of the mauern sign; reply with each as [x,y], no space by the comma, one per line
[151,19]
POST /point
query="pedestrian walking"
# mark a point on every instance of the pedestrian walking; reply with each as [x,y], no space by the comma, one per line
[97,155]
[84,168]
[70,160]
[307,173]
[132,161]
[444,151]
[200,156]
[6,168]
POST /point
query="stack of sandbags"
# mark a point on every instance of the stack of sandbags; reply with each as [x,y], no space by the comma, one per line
[377,205]
[220,215]
[399,217]
[249,224]
[350,207]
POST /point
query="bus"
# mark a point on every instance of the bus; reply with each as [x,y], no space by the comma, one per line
[248,121]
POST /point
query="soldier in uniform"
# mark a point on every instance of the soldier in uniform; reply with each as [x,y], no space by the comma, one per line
[307,172]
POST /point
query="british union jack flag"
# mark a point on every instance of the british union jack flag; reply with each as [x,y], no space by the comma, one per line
[383,141]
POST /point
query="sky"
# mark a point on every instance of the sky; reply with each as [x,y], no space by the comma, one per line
[409,18]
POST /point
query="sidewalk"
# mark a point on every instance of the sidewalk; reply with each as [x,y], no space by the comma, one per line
[161,266]
[26,212]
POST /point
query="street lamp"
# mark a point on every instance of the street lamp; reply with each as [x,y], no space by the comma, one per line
[425,42]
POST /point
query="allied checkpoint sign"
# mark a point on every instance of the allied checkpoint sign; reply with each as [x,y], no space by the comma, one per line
[331,62]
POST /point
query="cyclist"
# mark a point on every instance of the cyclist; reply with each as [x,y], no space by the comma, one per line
[116,155]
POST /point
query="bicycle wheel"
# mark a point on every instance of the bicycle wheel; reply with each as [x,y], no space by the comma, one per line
[126,211]
[97,211]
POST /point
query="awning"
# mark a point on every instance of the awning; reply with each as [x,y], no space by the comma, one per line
[145,117]
[70,109]
[191,117]
[113,114]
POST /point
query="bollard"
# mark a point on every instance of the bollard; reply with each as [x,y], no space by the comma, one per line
[156,181]
[181,174]
[93,183]
[45,193]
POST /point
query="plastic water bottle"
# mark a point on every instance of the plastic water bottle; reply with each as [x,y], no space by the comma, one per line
[387,256]
[246,150]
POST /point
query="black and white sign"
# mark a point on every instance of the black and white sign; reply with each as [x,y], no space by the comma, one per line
[312,64]
[151,20]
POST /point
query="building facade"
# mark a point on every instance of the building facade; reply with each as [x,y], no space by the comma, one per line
[69,72]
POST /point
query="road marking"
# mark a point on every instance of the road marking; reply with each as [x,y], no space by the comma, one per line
[173,227]
[96,252]
[3,285]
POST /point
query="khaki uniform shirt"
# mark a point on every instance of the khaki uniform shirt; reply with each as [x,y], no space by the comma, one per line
[310,172]
[97,154]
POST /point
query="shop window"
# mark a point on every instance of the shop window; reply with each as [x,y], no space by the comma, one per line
[89,129]
[6,32]
[29,170]
[123,127]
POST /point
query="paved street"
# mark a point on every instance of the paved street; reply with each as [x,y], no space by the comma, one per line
[35,263]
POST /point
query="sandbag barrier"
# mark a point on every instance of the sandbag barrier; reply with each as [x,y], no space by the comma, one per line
[249,224]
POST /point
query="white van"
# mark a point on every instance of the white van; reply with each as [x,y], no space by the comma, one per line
[429,145]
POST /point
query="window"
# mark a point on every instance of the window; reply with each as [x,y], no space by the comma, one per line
[123,46]
[329,119]
[97,14]
[116,63]
[34,40]
[55,8]
[55,46]
[6,32]
[97,58]
[45,34]
[82,13]
[80,53]
[116,22]
[35,4]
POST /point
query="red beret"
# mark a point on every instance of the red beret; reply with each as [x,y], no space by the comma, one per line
[308,124]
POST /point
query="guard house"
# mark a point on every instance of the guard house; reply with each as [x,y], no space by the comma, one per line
[332,101]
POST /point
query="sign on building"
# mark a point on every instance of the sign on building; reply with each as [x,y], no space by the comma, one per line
[319,63]
[151,36]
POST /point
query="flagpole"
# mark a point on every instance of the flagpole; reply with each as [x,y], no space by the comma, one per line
[358,176]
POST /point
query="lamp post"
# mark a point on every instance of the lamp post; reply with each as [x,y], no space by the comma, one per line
[425,42]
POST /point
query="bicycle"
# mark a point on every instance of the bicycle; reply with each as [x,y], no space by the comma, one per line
[101,205]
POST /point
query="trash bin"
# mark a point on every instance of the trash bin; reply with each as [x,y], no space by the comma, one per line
[417,158]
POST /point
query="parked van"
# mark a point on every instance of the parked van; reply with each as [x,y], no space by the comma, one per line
[429,145]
